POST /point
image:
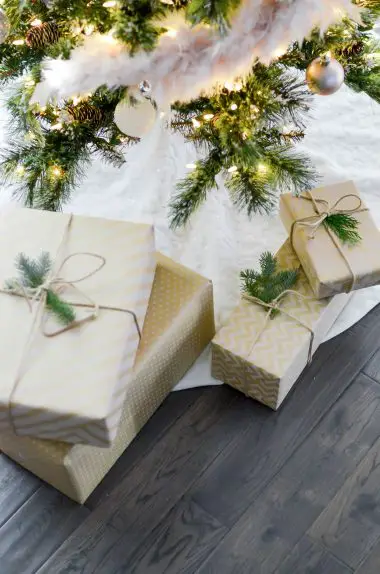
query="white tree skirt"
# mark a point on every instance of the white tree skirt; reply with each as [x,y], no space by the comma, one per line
[343,142]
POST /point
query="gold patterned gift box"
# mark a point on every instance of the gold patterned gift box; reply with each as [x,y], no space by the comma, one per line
[332,267]
[72,386]
[178,326]
[263,359]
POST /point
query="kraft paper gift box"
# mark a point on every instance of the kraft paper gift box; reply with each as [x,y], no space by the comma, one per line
[72,386]
[263,359]
[178,326]
[333,269]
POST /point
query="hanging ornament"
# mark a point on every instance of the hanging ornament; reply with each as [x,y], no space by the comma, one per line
[145,88]
[135,121]
[4,26]
[42,35]
[82,112]
[325,75]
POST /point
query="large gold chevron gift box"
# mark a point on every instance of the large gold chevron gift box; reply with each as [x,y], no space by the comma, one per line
[333,266]
[263,357]
[67,379]
[178,326]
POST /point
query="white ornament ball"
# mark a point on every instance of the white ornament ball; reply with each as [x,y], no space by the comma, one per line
[135,121]
[4,26]
[325,76]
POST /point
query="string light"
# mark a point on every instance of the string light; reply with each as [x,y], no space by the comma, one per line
[36,22]
[20,170]
[57,127]
[262,168]
[191,166]
[196,123]
[110,4]
[56,171]
[19,42]
[208,117]
[30,83]
[171,32]
[233,107]
[232,169]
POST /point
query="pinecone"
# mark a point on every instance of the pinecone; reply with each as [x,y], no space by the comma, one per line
[42,35]
[85,112]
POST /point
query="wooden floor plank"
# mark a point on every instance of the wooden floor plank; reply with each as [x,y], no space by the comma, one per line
[37,529]
[16,487]
[372,368]
[270,528]
[154,487]
[371,564]
[180,543]
[240,473]
[311,557]
[350,525]
[171,410]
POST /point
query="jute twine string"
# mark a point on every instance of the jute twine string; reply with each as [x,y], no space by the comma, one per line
[314,222]
[36,299]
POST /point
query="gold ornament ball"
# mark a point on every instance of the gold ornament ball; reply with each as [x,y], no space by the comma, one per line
[325,76]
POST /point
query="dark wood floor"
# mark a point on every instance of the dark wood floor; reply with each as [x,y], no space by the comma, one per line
[218,484]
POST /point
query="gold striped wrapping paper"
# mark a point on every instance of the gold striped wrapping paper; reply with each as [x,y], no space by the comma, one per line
[322,262]
[178,326]
[268,370]
[73,386]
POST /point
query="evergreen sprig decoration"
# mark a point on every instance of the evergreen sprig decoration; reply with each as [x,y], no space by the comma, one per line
[32,274]
[345,226]
[268,283]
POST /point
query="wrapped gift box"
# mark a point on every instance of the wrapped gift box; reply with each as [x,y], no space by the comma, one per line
[178,326]
[72,386]
[323,263]
[267,369]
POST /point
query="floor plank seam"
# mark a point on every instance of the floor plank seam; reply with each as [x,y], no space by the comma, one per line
[369,377]
[21,506]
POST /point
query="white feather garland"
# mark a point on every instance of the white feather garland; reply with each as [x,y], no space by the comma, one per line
[191,60]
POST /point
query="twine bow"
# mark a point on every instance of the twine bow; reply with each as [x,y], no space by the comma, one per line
[314,222]
[275,305]
[36,299]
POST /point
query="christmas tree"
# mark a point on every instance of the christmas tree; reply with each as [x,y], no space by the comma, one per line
[84,79]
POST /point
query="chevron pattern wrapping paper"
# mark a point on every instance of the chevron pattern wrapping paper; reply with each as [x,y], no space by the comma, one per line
[178,326]
[322,262]
[72,387]
[268,370]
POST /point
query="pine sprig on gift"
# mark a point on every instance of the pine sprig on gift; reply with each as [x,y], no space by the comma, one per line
[32,273]
[269,283]
[345,227]
[63,311]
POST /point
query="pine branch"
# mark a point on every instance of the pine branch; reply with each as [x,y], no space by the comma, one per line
[217,12]
[32,275]
[268,284]
[345,227]
[62,311]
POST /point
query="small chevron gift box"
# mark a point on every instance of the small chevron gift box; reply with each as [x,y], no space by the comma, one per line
[264,358]
[69,383]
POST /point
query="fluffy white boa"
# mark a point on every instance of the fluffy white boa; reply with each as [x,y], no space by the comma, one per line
[194,59]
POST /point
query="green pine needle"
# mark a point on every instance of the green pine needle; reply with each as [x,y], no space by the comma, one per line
[63,311]
[32,274]
[345,227]
[269,283]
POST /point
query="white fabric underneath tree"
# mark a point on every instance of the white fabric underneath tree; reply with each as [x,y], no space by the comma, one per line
[343,141]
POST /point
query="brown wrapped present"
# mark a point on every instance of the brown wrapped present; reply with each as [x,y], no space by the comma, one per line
[178,326]
[69,383]
[331,266]
[264,358]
